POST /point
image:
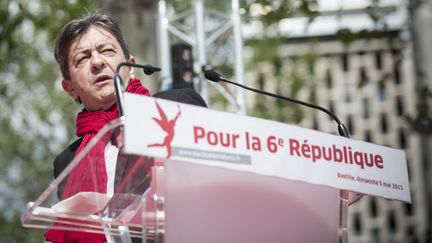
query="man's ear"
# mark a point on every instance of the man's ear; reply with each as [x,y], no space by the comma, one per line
[67,86]
[132,69]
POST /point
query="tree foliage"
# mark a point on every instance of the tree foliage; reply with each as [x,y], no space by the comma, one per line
[36,117]
[267,48]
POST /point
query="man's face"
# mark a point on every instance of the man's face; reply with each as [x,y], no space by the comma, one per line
[92,60]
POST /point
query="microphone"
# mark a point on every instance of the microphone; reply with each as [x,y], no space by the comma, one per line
[216,77]
[148,70]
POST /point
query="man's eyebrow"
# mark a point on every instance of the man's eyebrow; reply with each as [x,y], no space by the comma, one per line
[79,51]
[105,44]
[85,49]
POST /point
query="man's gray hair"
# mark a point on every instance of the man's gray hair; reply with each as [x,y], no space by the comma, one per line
[77,28]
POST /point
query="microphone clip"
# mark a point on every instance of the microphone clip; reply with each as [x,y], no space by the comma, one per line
[148,70]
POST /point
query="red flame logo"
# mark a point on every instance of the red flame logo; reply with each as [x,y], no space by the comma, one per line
[167,126]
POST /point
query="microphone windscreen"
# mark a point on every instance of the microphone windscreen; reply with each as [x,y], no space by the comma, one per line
[149,69]
[212,75]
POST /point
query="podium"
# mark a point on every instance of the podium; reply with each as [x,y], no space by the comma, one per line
[182,191]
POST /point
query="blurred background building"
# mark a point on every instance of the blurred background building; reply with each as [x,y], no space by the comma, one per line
[375,75]
[371,74]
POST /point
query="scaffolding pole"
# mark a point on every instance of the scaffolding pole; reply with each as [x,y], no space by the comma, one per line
[200,43]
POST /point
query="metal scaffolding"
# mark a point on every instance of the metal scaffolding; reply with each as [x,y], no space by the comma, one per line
[200,39]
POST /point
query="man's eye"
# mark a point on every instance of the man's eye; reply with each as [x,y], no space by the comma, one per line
[80,60]
[108,51]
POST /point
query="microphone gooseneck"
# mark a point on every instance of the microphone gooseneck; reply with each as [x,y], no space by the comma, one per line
[216,77]
[148,70]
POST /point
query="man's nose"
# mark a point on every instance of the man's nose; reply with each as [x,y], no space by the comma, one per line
[97,61]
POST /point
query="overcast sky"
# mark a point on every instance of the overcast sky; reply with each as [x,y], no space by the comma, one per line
[330,24]
[328,5]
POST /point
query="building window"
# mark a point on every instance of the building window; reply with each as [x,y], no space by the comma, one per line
[383,123]
[345,62]
[368,136]
[375,236]
[357,224]
[366,107]
[402,138]
[381,92]
[395,52]
[396,74]
[311,66]
[347,97]
[391,222]
[331,108]
[347,94]
[373,207]
[350,124]
[378,60]
[399,106]
[410,234]
[329,79]
[364,78]
[409,171]
[261,82]
[408,209]
[315,123]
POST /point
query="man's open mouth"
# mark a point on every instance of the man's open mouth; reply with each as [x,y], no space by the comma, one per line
[102,78]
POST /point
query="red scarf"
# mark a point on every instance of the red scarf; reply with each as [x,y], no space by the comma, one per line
[81,178]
